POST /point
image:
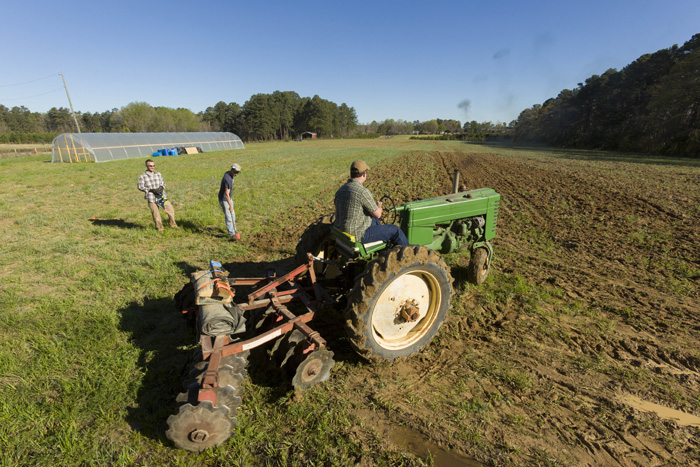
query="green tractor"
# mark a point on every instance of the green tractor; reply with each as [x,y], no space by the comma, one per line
[395,300]
[396,297]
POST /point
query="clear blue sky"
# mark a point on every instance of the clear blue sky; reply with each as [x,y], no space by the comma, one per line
[388,59]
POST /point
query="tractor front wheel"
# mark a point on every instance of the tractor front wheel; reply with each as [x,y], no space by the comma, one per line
[399,303]
[478,266]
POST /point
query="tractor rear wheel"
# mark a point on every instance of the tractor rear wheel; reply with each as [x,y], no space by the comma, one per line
[478,266]
[312,238]
[399,303]
[318,241]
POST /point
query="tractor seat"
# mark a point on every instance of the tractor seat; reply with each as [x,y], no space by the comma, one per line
[351,247]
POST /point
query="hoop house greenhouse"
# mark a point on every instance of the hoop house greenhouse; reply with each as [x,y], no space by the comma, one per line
[105,147]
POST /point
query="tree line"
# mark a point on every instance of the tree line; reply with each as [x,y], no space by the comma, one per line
[20,125]
[280,115]
[652,105]
[446,129]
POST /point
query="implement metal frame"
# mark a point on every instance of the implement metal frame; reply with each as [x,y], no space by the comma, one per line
[266,295]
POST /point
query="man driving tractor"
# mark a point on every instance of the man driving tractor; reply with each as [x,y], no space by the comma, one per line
[358,214]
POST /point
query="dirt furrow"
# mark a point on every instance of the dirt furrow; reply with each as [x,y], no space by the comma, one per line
[622,315]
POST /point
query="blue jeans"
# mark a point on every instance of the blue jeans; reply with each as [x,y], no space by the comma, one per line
[230,216]
[389,233]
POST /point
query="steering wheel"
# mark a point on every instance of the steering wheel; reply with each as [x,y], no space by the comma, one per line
[389,214]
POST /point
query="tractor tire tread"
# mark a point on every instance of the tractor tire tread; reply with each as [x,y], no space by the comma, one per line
[378,271]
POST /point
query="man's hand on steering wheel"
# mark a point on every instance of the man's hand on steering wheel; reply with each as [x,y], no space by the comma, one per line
[389,214]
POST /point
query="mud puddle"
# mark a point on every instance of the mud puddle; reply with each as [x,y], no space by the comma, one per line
[420,446]
[407,439]
[681,418]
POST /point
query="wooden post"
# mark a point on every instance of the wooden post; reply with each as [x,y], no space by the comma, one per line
[67,148]
[77,157]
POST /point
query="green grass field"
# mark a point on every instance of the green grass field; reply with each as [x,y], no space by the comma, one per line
[594,293]
[92,353]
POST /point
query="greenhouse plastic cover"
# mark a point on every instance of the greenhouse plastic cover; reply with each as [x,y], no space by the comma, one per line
[104,147]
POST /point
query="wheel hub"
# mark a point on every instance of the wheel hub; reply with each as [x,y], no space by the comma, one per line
[196,428]
[311,370]
[410,294]
[314,369]
[409,311]
[199,436]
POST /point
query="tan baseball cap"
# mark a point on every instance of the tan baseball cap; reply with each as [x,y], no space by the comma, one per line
[357,167]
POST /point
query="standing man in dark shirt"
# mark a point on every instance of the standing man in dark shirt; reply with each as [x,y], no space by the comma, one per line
[226,201]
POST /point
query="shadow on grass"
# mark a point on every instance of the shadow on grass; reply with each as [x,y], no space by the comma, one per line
[596,155]
[208,230]
[167,349]
[183,224]
[161,335]
[119,223]
[186,268]
[259,269]
[460,275]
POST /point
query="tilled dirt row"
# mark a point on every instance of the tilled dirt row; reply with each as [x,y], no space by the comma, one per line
[592,302]
[582,346]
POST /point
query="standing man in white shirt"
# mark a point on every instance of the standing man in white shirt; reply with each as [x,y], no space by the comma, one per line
[153,186]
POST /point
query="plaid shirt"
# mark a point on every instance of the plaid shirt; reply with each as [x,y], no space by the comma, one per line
[150,181]
[353,205]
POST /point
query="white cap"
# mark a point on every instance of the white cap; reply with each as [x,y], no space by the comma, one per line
[236,167]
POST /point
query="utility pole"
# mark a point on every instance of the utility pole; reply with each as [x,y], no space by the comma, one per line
[69,102]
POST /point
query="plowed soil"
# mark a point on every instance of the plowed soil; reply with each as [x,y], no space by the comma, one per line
[582,346]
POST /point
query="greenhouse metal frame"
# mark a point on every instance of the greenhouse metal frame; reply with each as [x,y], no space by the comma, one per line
[105,147]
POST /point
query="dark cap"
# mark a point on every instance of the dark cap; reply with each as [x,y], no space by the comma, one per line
[357,168]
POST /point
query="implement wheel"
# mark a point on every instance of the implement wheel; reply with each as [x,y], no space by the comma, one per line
[478,266]
[196,428]
[398,305]
[286,349]
[314,369]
